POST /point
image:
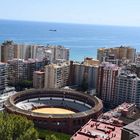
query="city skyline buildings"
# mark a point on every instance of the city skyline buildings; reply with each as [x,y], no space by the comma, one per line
[114,77]
[116,55]
[87,75]
[10,50]
[57,75]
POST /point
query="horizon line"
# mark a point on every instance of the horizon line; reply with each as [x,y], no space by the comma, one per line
[76,23]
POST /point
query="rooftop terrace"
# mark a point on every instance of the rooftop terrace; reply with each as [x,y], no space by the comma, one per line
[95,130]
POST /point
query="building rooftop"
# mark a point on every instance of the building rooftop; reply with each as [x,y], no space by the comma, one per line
[86,65]
[128,74]
[95,130]
[127,47]
[2,63]
[113,116]
[59,65]
[124,107]
[39,72]
[134,127]
[57,46]
[108,66]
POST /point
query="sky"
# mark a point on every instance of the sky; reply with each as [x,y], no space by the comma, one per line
[103,12]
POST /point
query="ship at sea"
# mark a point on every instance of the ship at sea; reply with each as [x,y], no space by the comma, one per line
[52,30]
[83,40]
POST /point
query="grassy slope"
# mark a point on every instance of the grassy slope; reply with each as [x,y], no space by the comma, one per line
[53,135]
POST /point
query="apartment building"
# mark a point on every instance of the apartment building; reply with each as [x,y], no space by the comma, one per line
[9,50]
[0,53]
[24,51]
[116,54]
[84,73]
[3,77]
[15,70]
[131,131]
[56,75]
[38,79]
[134,68]
[50,52]
[20,69]
[58,52]
[91,61]
[107,74]
[127,88]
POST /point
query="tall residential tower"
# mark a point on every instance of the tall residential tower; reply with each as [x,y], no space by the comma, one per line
[3,77]
[56,75]
[106,82]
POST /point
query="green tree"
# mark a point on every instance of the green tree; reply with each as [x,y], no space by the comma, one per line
[27,83]
[30,134]
[51,137]
[14,127]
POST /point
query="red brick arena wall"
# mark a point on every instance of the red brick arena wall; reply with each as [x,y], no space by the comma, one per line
[67,123]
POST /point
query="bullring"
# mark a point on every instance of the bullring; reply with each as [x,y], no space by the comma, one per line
[82,106]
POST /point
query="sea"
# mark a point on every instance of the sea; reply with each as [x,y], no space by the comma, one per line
[83,40]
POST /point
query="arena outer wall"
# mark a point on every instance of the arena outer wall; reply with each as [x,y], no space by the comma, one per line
[67,123]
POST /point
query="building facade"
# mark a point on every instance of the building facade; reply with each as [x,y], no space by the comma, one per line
[134,68]
[83,73]
[117,53]
[9,50]
[107,74]
[3,77]
[57,52]
[128,88]
[15,70]
[56,75]
[50,52]
[131,131]
[38,79]
[20,69]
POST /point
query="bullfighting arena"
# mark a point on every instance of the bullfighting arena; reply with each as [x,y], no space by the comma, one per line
[55,109]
